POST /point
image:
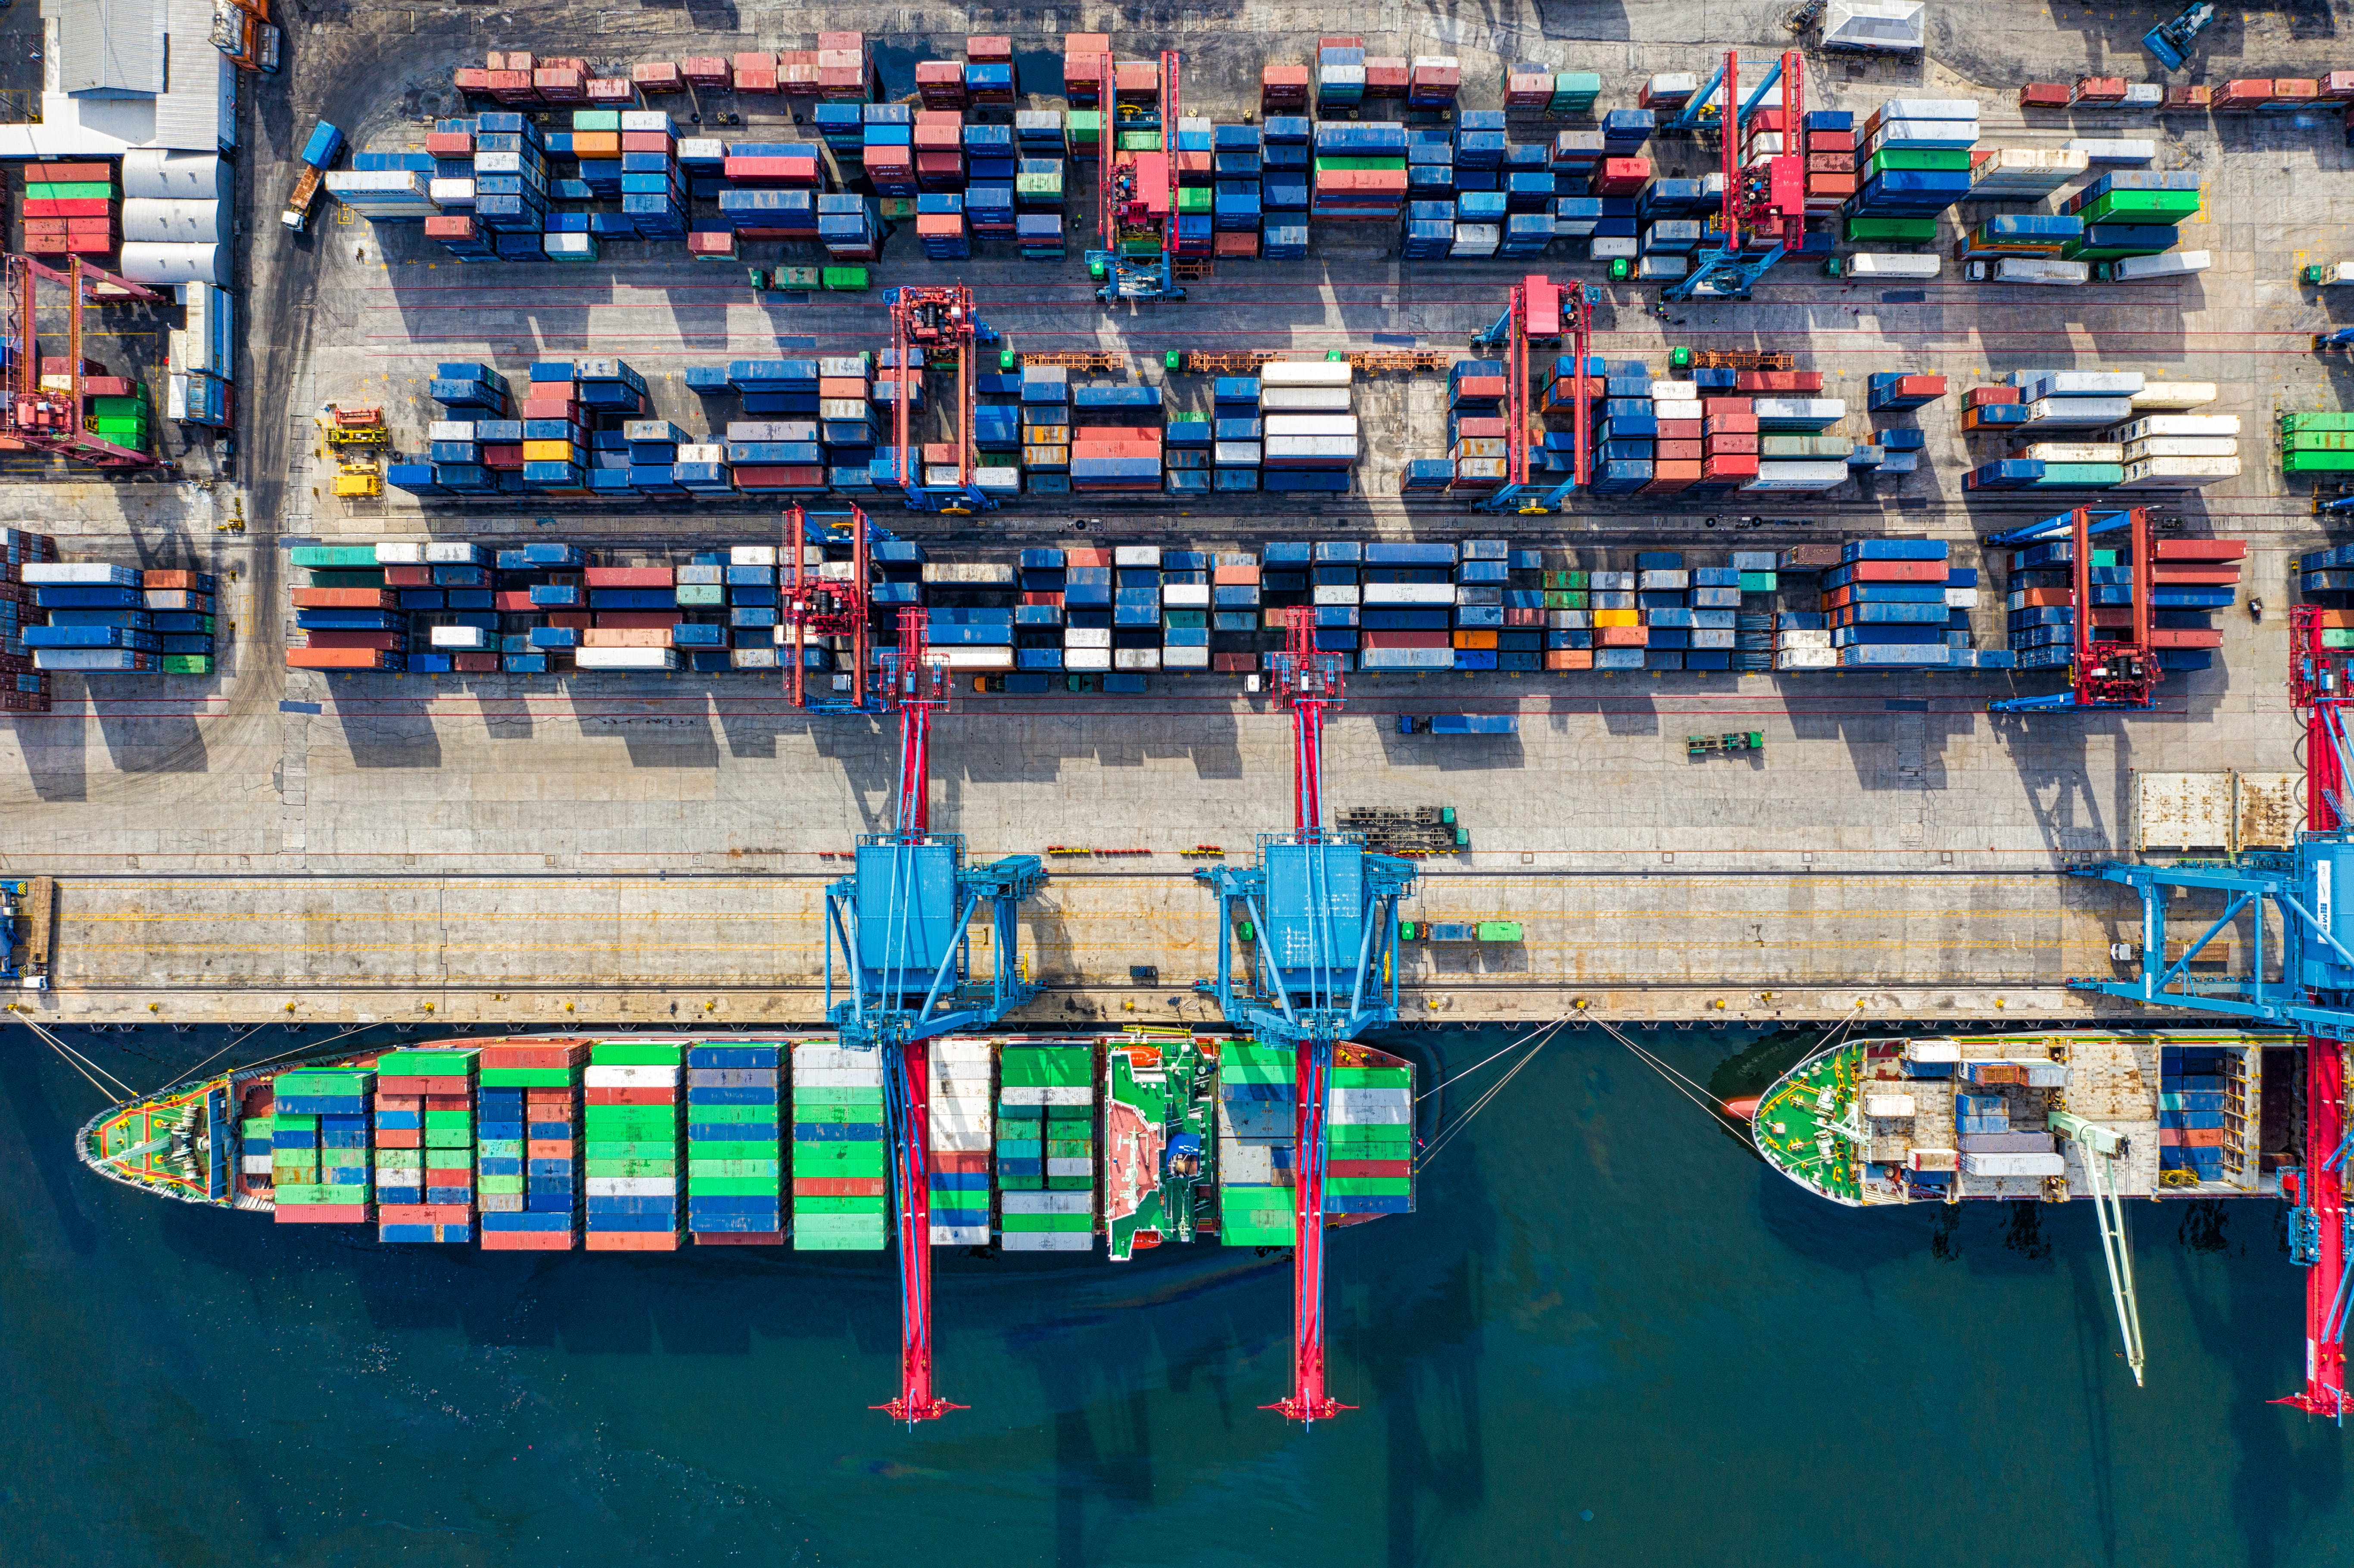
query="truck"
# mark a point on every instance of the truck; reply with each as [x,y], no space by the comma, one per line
[318,154]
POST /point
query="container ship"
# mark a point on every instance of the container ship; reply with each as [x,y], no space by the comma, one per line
[646,1143]
[2180,1113]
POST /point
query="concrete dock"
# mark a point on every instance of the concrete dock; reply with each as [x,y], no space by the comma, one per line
[266,844]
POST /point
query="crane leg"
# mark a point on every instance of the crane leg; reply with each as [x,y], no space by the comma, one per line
[1309,1401]
[906,1094]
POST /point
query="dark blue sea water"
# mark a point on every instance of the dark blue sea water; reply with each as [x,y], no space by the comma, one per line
[1608,1336]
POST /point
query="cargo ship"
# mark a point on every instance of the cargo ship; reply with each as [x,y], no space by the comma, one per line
[1940,1118]
[645,1142]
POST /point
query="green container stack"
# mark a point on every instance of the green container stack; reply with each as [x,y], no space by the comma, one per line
[1087,131]
[839,1198]
[320,1154]
[1368,1141]
[634,1131]
[126,421]
[1257,1136]
[2316,444]
[425,1145]
[1574,92]
[735,1172]
[1046,1147]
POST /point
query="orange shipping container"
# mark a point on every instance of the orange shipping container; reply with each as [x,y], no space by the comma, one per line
[625,637]
[343,599]
[1620,636]
[1569,659]
[596,143]
[1475,639]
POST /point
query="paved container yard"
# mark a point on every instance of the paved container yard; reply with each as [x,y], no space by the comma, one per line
[510,849]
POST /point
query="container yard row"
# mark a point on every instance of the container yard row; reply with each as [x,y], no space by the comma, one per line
[1129,610]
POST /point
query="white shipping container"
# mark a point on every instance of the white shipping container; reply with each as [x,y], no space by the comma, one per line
[1792,476]
[1928,109]
[2172,264]
[1877,264]
[1086,637]
[648,1076]
[451,191]
[1674,84]
[753,659]
[632,1186]
[1318,450]
[2124,151]
[1889,1108]
[843,408]
[2032,161]
[2089,383]
[446,430]
[1136,555]
[963,656]
[2078,412]
[1310,424]
[1337,593]
[401,553]
[1087,658]
[1805,658]
[1303,401]
[471,638]
[1993,1165]
[1806,409]
[752,554]
[1304,373]
[1961,599]
[2181,447]
[453,553]
[1804,638]
[1185,596]
[702,452]
[1897,135]
[2074,451]
[625,658]
[2179,424]
[2179,473]
[2041,270]
[1611,248]
[1408,593]
[1042,1203]
[1185,658]
[2143,95]
[1136,658]
[1933,1051]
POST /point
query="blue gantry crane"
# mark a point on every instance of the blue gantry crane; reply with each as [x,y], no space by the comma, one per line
[1320,912]
[901,923]
[1764,214]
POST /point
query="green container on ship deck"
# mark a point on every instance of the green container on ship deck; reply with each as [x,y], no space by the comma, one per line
[1941,160]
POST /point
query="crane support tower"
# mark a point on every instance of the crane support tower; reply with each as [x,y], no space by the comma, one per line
[1764,214]
[1136,193]
[819,606]
[1541,312]
[2117,671]
[2313,993]
[50,419]
[925,321]
[900,924]
[1322,918]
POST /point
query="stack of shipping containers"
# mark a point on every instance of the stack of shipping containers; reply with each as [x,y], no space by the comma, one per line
[1257,1135]
[734,1156]
[529,1137]
[1046,1147]
[319,1156]
[632,1136]
[841,1197]
[2194,1103]
[22,687]
[958,1145]
[425,1145]
[1368,1141]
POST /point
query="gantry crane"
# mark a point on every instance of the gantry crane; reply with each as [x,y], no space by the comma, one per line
[924,319]
[1322,914]
[899,924]
[1136,193]
[2313,994]
[1765,213]
[51,421]
[2117,672]
[1541,310]
[815,606]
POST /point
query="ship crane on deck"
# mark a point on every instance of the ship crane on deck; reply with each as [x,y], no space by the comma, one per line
[900,924]
[2313,993]
[1323,918]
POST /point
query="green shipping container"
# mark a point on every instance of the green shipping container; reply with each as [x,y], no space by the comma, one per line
[498,1184]
[188,664]
[596,120]
[527,1077]
[1503,930]
[731,1116]
[634,1054]
[337,555]
[2316,462]
[300,1197]
[1760,582]
[2318,441]
[1952,161]
[851,279]
[2080,476]
[2139,207]
[1138,141]
[68,190]
[1914,230]
[426,1065]
[1082,1223]
[2335,423]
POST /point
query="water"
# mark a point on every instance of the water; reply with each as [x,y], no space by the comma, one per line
[1611,1336]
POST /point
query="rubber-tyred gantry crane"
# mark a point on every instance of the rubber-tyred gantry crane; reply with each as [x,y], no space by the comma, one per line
[1322,916]
[1765,213]
[51,421]
[923,320]
[1541,310]
[1136,193]
[899,924]
[817,607]
[2115,665]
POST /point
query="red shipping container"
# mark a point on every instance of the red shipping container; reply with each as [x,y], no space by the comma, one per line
[2098,90]
[2296,89]
[772,476]
[341,598]
[2112,617]
[471,78]
[2186,637]
[1830,184]
[2045,597]
[1729,465]
[513,601]
[2044,95]
[1897,571]
[577,620]
[1986,396]
[630,1241]
[2240,91]
[758,66]
[705,70]
[615,91]
[2167,550]
[425,1214]
[74,206]
[475,663]
[409,576]
[1742,410]
[1481,427]
[379,642]
[50,226]
[388,1137]
[659,76]
[1676,451]
[634,620]
[1385,76]
[1470,388]
[322,1214]
[525,1241]
[1730,443]
[450,226]
[739,1238]
[1679,429]
[1925,385]
[1671,475]
[837,1187]
[630,577]
[2193,576]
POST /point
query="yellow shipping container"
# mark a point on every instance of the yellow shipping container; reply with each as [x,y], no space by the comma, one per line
[1615,617]
[550,451]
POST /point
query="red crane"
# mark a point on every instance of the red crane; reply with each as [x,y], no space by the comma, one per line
[51,421]
[822,607]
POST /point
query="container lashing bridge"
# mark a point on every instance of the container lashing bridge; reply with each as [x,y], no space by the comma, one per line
[817,606]
[1765,213]
[49,419]
[1136,193]
[900,924]
[2313,993]
[2117,671]
[926,320]
[1539,311]
[1322,916]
